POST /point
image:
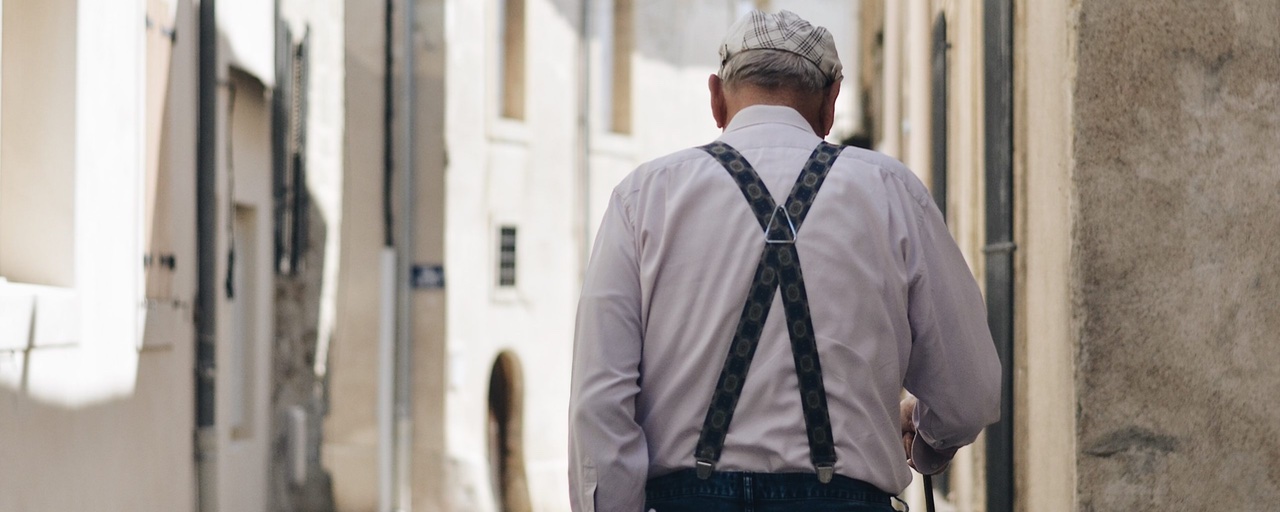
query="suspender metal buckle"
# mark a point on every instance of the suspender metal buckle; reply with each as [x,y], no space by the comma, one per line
[790,225]
[705,468]
[825,472]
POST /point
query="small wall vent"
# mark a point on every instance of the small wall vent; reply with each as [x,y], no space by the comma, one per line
[506,256]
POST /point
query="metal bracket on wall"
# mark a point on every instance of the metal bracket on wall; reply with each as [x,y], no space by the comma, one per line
[999,248]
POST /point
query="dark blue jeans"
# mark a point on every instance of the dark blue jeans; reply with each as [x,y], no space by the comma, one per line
[682,491]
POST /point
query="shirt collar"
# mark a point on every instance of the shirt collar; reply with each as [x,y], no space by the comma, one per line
[763,114]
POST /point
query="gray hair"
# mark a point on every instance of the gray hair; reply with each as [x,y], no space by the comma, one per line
[773,69]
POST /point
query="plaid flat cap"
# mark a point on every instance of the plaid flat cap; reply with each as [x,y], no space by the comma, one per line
[783,31]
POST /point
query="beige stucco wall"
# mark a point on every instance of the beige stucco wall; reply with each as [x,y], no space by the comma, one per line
[245,313]
[1177,112]
[350,429]
[1045,331]
[430,307]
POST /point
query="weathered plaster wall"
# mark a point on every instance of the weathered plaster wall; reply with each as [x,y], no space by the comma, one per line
[1177,177]
[305,300]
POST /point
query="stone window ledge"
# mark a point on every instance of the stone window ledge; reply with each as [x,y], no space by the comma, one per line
[37,316]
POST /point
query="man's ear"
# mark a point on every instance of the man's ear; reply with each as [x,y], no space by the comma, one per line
[828,114]
[719,110]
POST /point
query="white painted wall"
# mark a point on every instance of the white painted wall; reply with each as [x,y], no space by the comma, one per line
[517,173]
[105,397]
[90,407]
[80,122]
[248,30]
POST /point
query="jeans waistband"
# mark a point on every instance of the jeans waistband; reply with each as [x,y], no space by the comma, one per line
[763,486]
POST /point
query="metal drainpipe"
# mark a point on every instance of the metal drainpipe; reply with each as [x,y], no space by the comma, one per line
[998,99]
[206,260]
[387,292]
[404,323]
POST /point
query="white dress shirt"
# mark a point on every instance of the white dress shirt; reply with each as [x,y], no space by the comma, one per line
[892,301]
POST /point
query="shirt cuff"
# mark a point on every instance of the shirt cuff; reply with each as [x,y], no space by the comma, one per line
[927,459]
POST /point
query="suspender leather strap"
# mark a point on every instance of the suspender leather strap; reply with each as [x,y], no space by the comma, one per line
[779,267]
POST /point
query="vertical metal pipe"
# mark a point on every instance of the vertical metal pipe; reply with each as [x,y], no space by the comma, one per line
[206,259]
[998,100]
[387,289]
[938,133]
[388,123]
[386,380]
[404,409]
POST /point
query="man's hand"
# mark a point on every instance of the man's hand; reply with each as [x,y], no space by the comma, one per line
[906,409]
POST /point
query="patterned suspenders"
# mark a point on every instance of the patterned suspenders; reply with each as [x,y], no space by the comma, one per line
[779,267]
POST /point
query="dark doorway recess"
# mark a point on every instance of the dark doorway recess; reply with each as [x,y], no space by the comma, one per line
[506,435]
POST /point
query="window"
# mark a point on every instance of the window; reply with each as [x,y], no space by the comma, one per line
[506,256]
[244,319]
[511,58]
[288,126]
[37,141]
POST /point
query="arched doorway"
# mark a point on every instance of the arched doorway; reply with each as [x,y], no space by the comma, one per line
[505,434]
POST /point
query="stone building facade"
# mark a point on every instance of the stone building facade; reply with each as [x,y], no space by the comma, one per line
[1141,206]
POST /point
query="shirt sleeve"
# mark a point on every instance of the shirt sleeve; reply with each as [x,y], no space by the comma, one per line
[953,369]
[608,455]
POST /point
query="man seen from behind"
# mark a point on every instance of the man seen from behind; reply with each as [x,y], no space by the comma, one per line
[754,308]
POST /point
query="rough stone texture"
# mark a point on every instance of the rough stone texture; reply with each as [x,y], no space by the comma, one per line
[294,380]
[1177,179]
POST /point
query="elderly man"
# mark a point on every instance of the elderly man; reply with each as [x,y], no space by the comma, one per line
[827,272]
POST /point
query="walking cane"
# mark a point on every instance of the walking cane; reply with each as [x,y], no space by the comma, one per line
[928,493]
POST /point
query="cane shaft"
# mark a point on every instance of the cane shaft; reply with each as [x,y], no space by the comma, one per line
[928,493]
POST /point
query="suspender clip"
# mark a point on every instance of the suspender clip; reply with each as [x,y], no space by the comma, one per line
[768,232]
[825,472]
[705,468]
